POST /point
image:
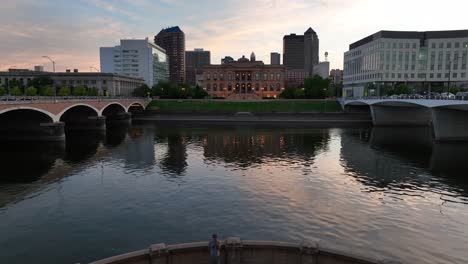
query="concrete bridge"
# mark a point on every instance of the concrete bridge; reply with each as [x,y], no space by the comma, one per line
[449,118]
[45,118]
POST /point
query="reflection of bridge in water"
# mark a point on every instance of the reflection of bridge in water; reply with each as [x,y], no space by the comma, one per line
[403,158]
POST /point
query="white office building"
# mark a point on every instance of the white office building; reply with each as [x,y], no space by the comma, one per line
[422,60]
[322,69]
[136,58]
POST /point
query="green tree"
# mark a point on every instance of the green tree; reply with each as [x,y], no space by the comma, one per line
[42,81]
[402,89]
[315,87]
[199,93]
[454,89]
[47,90]
[64,91]
[16,91]
[2,91]
[31,91]
[80,91]
[93,91]
[142,91]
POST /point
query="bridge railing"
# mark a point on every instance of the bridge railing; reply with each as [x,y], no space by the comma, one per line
[409,97]
[58,99]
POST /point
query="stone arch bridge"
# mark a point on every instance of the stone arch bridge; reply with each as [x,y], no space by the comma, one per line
[48,119]
[449,118]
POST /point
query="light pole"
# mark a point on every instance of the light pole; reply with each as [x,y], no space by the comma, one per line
[53,62]
[53,67]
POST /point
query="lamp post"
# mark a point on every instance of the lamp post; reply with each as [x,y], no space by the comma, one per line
[53,67]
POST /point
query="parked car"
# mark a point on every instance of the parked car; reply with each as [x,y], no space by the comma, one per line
[447,95]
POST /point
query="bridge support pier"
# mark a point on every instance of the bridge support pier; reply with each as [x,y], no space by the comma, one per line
[36,132]
[450,124]
[400,116]
[92,123]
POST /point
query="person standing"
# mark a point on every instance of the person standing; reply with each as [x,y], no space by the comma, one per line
[214,247]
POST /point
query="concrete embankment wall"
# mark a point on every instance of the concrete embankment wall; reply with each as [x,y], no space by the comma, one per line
[235,251]
[304,119]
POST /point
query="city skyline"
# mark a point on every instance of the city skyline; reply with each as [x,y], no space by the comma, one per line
[31,29]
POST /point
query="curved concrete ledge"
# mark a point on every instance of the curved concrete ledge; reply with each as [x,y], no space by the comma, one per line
[237,251]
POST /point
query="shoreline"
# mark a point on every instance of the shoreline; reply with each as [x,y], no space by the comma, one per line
[306,119]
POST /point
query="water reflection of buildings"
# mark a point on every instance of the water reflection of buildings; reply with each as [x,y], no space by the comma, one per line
[403,158]
[174,160]
[247,146]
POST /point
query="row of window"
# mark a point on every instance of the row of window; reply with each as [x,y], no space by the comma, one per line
[243,86]
[245,76]
[407,76]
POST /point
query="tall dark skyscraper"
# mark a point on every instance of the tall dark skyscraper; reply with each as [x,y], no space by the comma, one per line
[275,58]
[311,51]
[173,41]
[301,52]
[194,62]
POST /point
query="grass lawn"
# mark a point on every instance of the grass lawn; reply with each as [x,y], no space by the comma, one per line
[206,106]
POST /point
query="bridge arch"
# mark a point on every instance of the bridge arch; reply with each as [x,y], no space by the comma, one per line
[113,108]
[49,114]
[135,107]
[60,115]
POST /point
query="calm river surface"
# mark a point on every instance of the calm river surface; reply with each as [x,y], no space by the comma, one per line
[380,193]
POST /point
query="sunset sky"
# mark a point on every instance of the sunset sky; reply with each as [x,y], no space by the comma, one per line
[71,32]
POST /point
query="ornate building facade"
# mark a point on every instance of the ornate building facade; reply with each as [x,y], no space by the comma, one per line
[244,79]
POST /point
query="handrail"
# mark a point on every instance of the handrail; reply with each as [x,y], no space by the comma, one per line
[58,99]
[409,97]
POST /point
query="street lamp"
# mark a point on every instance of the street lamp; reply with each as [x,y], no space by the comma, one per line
[53,86]
[53,62]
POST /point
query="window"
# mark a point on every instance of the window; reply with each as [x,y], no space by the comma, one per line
[439,67]
[257,86]
[265,76]
[407,45]
[215,87]
[249,77]
[455,75]
[433,45]
[229,77]
[394,45]
[441,45]
[243,76]
[414,45]
[400,45]
[412,76]
[447,75]
[455,67]
[399,75]
[215,77]
[272,87]
[237,76]
[432,67]
[208,87]
[439,75]
[449,45]
[104,81]
[272,76]
[221,76]
[457,45]
[463,74]
[257,77]
[208,76]
[278,76]
[393,75]
[447,66]
[463,66]
[229,87]
[431,76]
[221,87]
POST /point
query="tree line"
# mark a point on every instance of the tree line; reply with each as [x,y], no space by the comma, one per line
[169,90]
[314,87]
[44,86]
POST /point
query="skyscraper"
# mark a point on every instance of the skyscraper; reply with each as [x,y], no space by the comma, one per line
[301,52]
[194,62]
[293,52]
[173,41]
[275,58]
[136,58]
[311,51]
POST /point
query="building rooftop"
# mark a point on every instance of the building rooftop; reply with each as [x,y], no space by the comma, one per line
[421,35]
[175,29]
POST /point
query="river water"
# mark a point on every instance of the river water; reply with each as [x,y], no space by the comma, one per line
[380,193]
